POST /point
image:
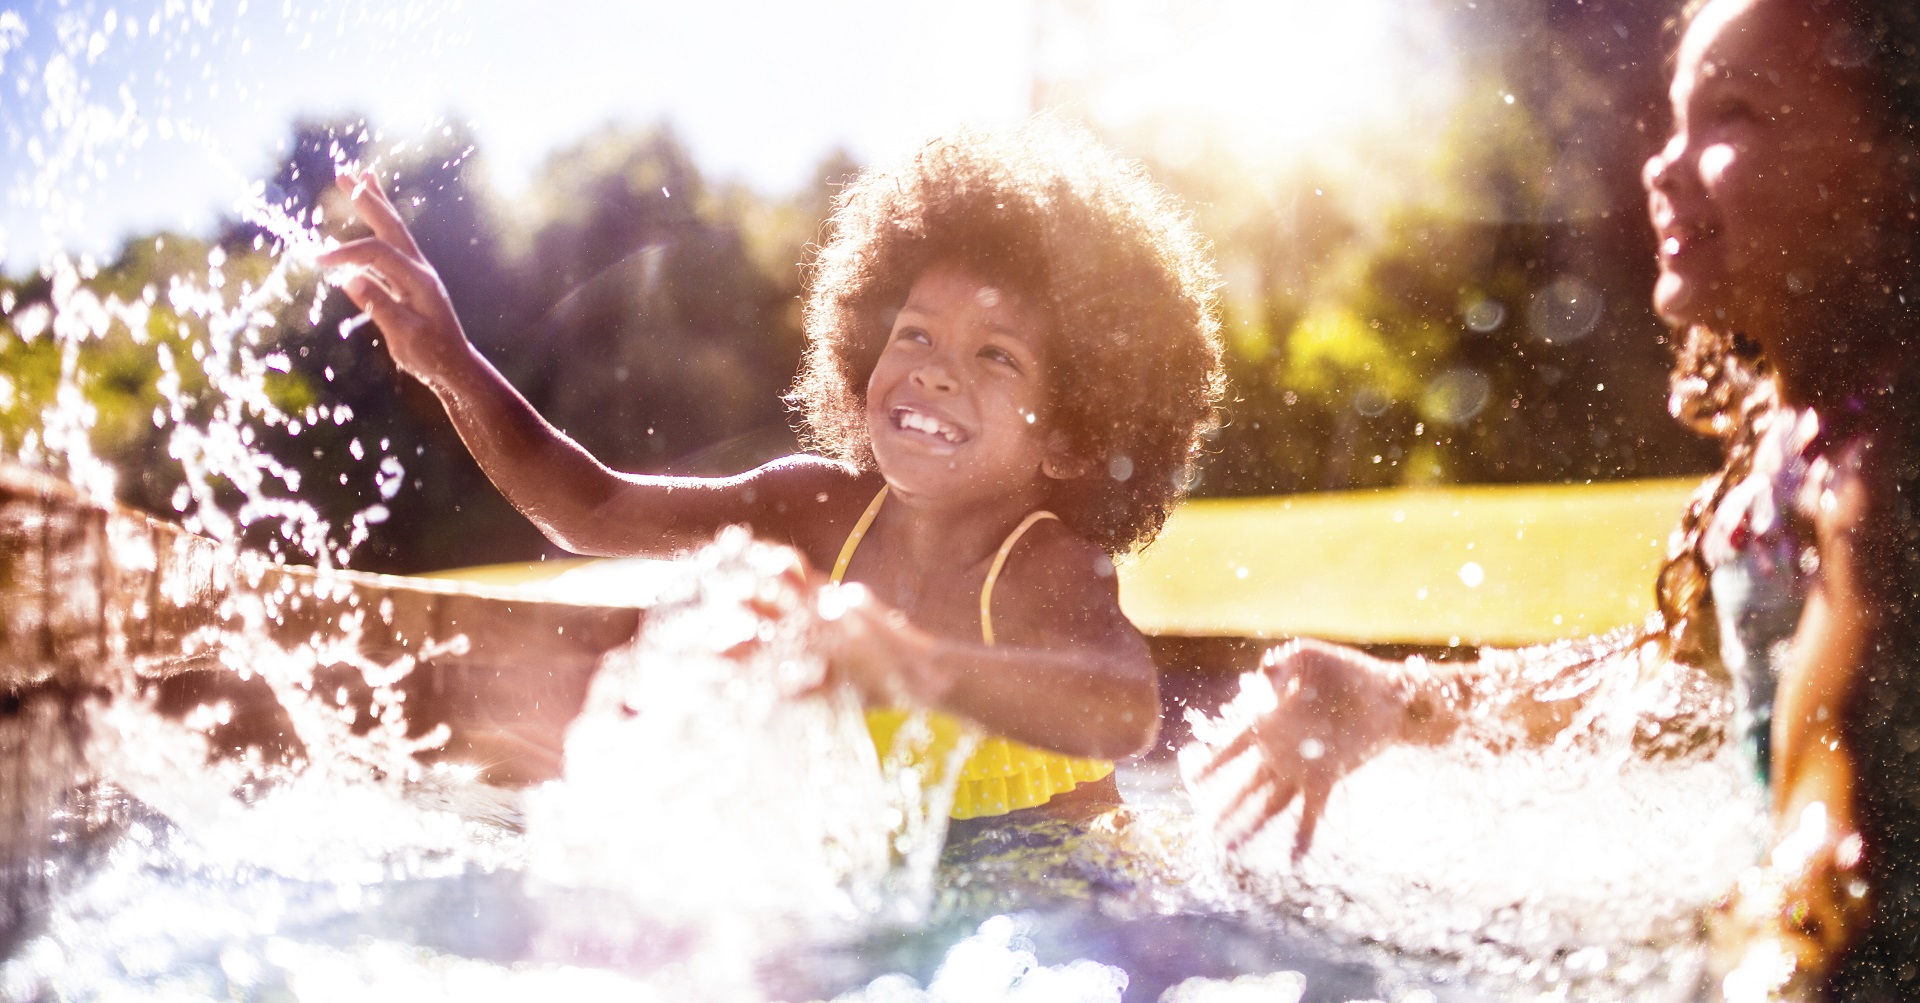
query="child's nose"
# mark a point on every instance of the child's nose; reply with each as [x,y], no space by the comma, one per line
[1658,174]
[1653,173]
[934,375]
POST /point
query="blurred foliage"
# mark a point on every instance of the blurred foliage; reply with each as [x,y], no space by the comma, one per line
[1475,314]
[1473,311]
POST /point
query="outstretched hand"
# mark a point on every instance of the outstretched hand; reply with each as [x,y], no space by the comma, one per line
[392,281]
[1331,709]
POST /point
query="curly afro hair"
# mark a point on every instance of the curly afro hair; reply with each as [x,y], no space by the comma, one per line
[1126,284]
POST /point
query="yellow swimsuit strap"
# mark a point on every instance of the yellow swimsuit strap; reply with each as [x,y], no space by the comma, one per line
[859,533]
[993,572]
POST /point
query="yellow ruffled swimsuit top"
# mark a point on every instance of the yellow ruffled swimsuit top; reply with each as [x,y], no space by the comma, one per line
[1001,775]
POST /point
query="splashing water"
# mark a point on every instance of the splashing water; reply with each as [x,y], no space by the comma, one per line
[697,746]
[94,93]
[1582,864]
[716,803]
[715,812]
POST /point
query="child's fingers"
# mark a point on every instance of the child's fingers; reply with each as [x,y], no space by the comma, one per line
[388,313]
[1217,758]
[1259,782]
[378,212]
[359,289]
[360,282]
[1279,794]
[406,277]
[1313,802]
[1275,803]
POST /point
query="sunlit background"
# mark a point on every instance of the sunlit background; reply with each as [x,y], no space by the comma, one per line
[1426,211]
[201,93]
[1436,266]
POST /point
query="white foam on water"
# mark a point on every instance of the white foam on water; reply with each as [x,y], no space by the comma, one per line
[996,964]
[1583,863]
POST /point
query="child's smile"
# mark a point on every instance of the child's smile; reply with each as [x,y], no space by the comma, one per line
[1775,181]
[954,401]
[909,419]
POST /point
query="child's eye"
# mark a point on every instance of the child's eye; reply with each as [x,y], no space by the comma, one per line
[1002,356]
[913,334]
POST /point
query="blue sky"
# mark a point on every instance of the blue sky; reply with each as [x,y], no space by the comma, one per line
[122,117]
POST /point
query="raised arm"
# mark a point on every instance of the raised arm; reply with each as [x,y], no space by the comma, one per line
[577,501]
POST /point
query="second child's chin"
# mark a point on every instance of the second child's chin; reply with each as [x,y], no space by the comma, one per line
[1677,300]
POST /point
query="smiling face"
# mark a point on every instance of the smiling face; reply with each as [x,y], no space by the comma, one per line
[1770,198]
[955,403]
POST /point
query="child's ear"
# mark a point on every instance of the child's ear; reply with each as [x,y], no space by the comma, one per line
[1062,462]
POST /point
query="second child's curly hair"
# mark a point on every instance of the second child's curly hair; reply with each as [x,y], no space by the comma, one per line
[1125,283]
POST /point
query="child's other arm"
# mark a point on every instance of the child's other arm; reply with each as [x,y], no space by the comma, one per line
[1068,671]
[1818,851]
[576,500]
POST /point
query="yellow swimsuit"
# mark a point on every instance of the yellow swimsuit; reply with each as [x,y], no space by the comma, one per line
[1001,775]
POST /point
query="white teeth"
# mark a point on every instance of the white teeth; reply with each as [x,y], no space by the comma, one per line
[1671,245]
[910,419]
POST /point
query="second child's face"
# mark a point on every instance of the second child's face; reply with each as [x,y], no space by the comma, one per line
[1775,184]
[955,401]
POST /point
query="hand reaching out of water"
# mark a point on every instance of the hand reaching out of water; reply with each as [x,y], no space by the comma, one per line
[867,644]
[393,282]
[874,648]
[1333,709]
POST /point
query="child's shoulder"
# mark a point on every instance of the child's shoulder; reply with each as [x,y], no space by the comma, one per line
[1053,558]
[814,500]
[797,471]
[1058,584]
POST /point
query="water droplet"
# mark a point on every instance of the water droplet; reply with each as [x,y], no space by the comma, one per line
[1565,310]
[1369,402]
[1456,396]
[1484,316]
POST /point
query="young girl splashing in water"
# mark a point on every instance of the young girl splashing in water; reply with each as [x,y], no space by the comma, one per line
[1785,208]
[1012,352]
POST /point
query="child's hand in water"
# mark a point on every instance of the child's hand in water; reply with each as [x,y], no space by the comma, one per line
[873,647]
[867,644]
[388,277]
[1331,708]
